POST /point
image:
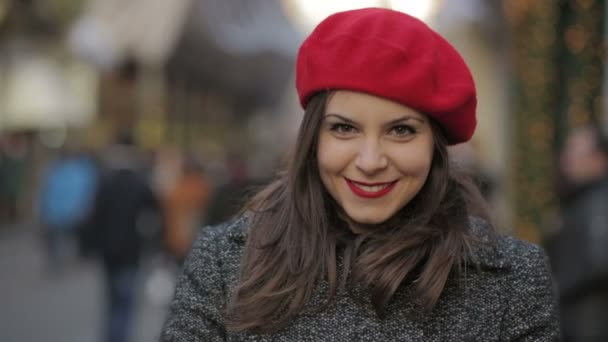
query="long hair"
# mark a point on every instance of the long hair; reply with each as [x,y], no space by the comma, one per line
[297,231]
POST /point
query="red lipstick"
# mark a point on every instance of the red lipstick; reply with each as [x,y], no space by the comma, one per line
[357,190]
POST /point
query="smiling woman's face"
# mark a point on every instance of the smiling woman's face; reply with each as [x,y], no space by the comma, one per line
[374,155]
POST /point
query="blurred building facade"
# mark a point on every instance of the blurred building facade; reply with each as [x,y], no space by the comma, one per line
[212,77]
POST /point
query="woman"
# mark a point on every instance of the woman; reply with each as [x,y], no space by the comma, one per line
[369,235]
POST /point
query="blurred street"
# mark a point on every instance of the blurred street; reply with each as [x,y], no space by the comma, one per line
[64,307]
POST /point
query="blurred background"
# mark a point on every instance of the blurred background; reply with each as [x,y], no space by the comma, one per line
[154,117]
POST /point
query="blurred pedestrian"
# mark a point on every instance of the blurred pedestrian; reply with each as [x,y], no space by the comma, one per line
[369,235]
[67,192]
[579,252]
[123,205]
[184,204]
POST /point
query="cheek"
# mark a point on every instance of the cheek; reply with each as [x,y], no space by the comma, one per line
[332,155]
[415,161]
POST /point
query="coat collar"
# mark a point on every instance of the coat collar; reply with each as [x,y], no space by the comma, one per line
[485,248]
[236,229]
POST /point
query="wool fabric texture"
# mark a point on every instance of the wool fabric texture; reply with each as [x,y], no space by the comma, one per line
[392,55]
[505,295]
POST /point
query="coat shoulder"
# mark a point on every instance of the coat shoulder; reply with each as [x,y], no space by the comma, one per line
[497,250]
[519,252]
[226,233]
[220,242]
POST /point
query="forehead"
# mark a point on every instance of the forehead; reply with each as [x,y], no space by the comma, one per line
[362,105]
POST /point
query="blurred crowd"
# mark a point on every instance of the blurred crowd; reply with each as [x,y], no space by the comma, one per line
[119,205]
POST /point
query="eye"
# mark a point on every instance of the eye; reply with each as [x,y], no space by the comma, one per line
[342,128]
[402,130]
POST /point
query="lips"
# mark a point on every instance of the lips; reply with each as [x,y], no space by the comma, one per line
[370,190]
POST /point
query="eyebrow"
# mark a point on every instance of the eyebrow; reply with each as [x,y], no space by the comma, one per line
[392,122]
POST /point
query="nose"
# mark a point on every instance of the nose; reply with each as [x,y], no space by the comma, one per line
[371,157]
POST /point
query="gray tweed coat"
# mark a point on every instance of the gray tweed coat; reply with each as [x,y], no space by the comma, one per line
[508,298]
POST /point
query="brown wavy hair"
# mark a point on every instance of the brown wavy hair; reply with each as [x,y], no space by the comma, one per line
[297,232]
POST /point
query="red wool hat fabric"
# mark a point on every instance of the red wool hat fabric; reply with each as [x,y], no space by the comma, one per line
[392,55]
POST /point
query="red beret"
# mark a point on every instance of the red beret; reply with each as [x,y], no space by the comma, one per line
[393,55]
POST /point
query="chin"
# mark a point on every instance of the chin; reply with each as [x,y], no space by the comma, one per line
[371,220]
